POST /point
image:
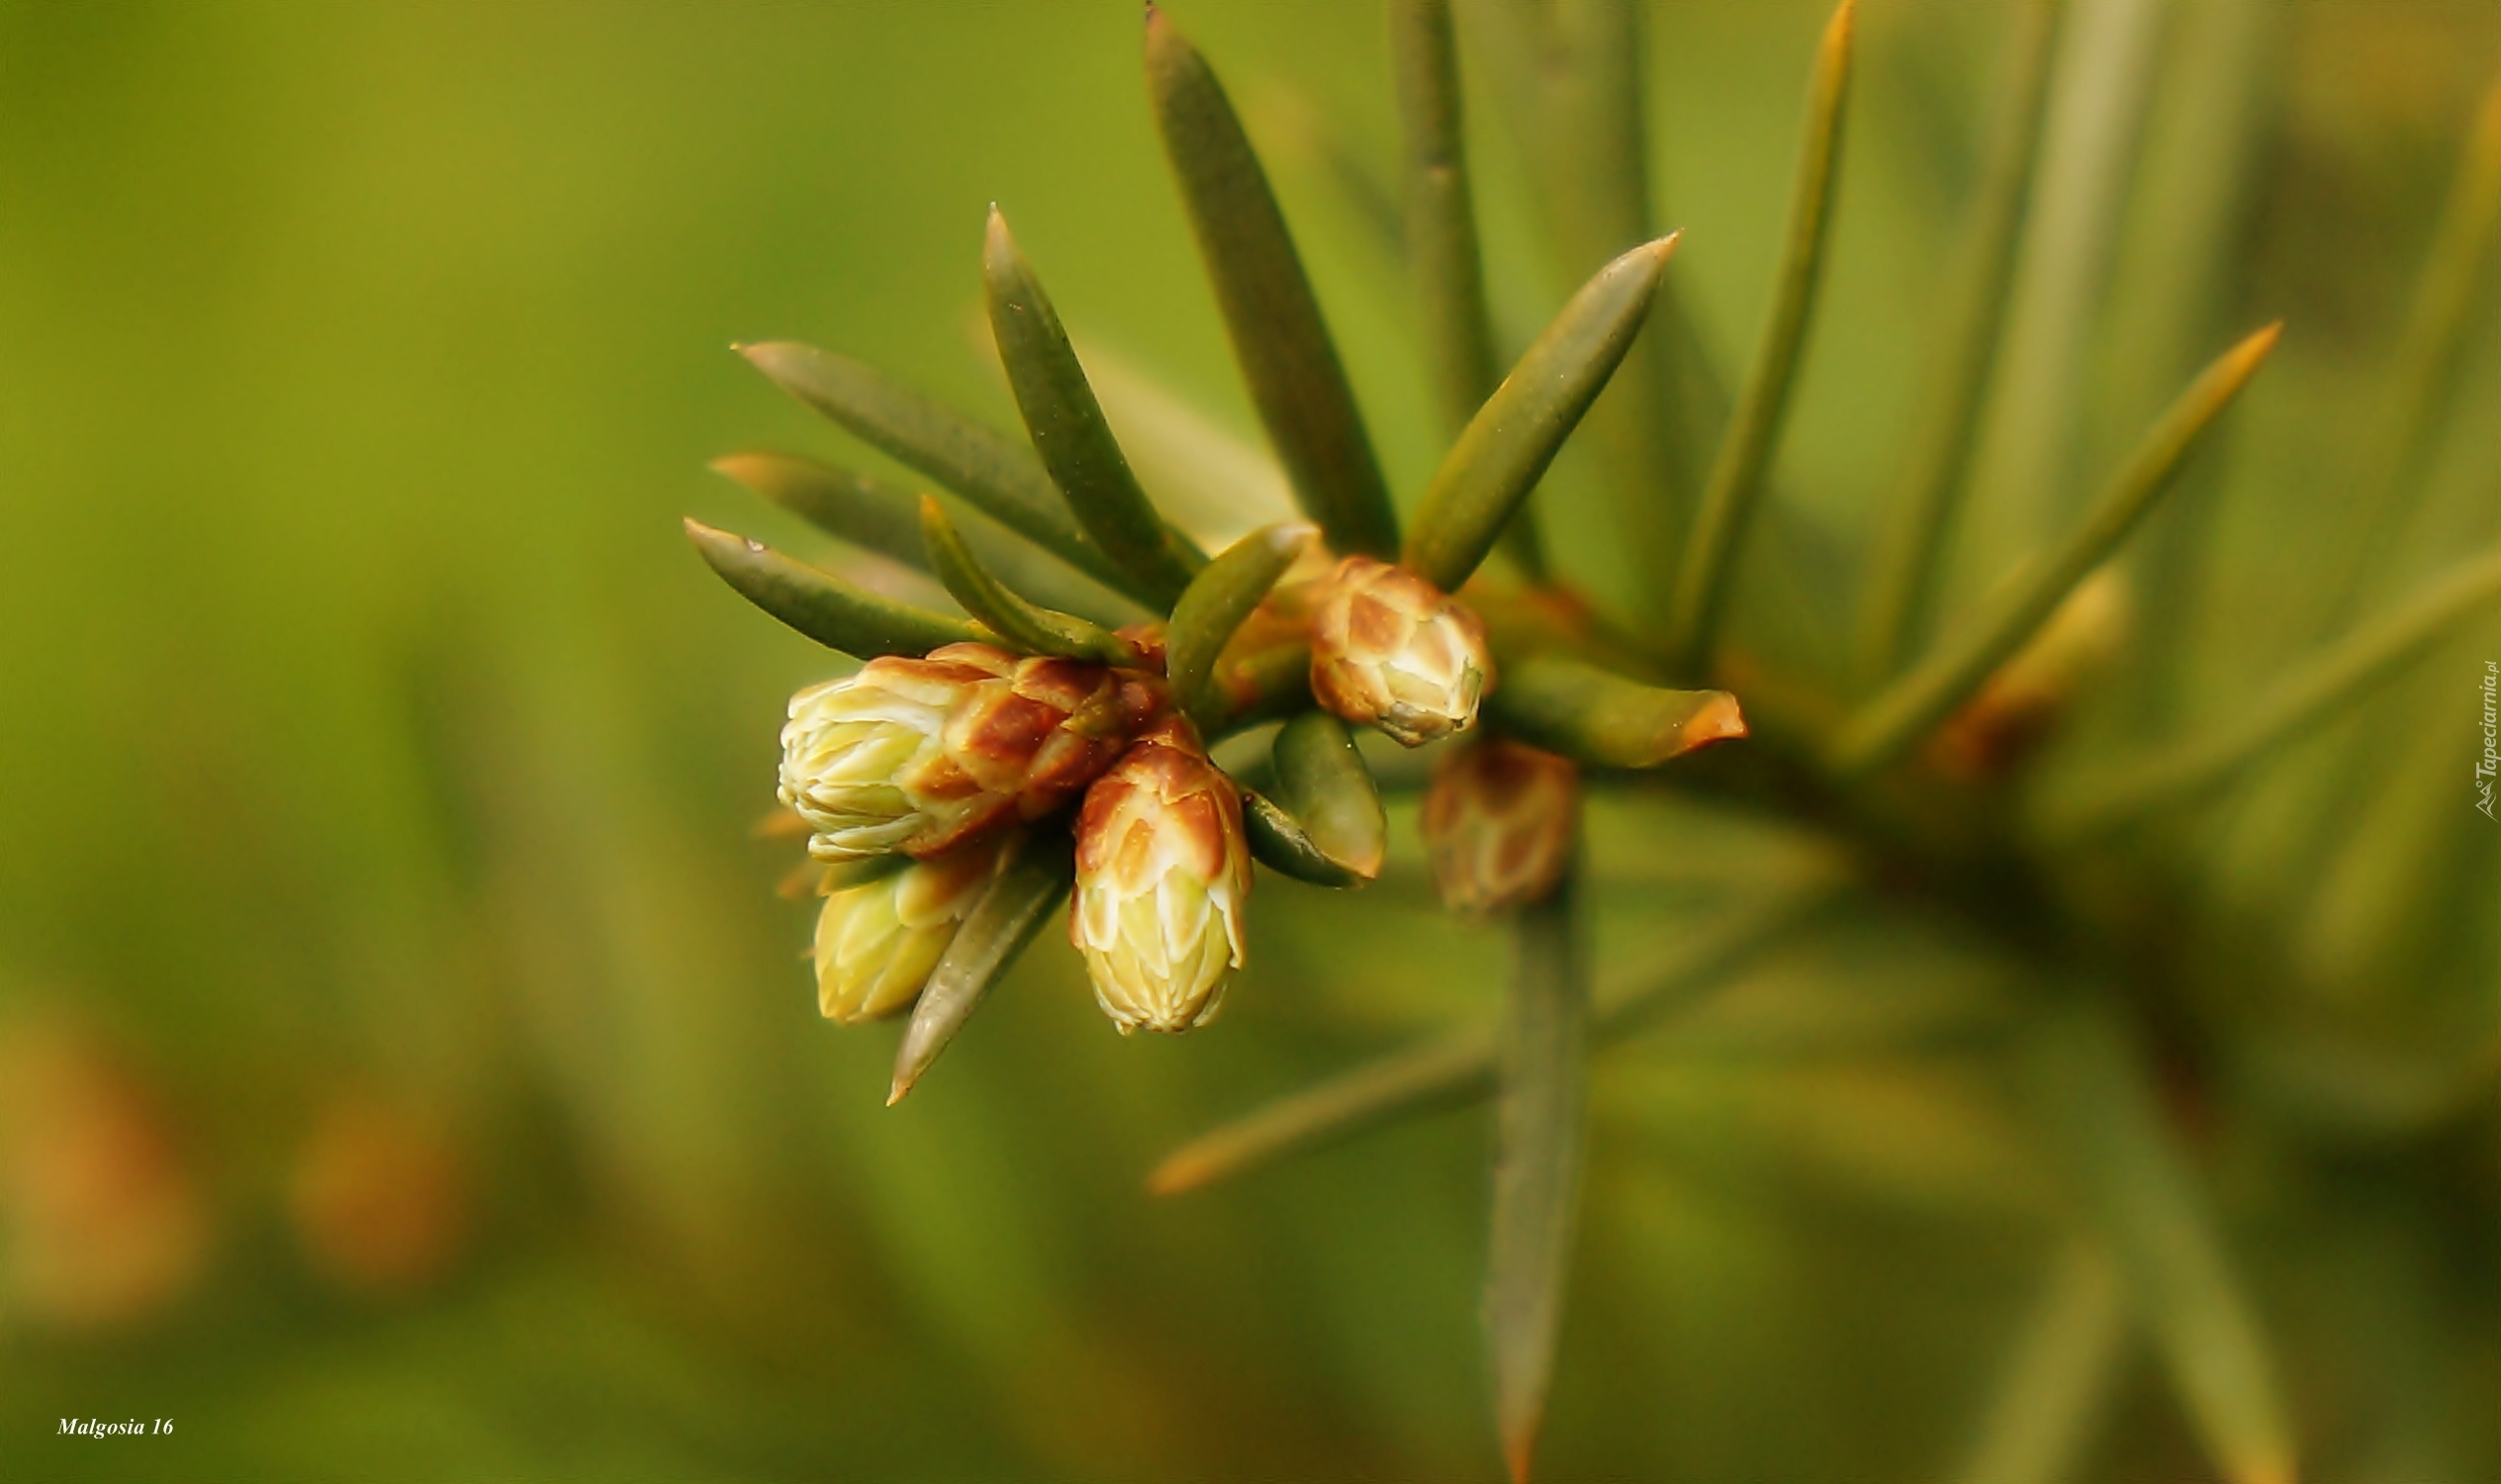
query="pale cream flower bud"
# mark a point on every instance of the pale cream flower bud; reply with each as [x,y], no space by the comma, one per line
[1497,822]
[876,944]
[1389,649]
[1162,875]
[919,755]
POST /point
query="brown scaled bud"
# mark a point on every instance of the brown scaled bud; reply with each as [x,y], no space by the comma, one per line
[1389,649]
[1497,824]
[1162,875]
[918,756]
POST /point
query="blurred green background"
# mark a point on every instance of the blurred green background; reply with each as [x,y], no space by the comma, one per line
[406,1069]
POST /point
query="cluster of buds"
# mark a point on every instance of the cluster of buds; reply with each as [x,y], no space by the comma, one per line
[980,764]
[927,767]
[910,776]
[914,777]
[1391,650]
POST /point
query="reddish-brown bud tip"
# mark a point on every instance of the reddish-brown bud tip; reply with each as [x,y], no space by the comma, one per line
[1717,721]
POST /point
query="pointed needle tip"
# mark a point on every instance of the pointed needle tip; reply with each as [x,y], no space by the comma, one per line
[895,1094]
[1519,1453]
[2244,359]
[1718,720]
[1175,1176]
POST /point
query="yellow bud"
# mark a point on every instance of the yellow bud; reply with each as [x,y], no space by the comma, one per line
[876,944]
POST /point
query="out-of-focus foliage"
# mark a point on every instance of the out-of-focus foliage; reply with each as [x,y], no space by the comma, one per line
[406,1067]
